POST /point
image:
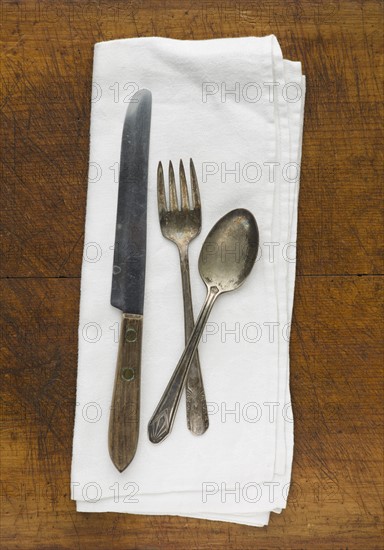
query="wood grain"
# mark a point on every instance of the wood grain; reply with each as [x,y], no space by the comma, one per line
[336,376]
[124,420]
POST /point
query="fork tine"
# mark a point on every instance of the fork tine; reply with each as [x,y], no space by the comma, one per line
[161,200]
[172,189]
[194,186]
[183,188]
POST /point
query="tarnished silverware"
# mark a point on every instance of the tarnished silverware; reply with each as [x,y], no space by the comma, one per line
[128,278]
[181,225]
[222,271]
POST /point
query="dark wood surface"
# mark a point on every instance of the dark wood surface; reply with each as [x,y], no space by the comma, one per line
[336,376]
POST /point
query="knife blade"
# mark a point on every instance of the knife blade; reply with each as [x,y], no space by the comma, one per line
[128,278]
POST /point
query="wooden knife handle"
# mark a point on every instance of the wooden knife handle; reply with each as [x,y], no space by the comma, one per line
[124,417]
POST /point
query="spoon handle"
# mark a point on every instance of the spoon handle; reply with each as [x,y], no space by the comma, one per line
[162,419]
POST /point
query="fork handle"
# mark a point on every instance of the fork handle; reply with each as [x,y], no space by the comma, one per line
[197,413]
[161,422]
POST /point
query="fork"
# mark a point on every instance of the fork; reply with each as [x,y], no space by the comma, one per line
[181,226]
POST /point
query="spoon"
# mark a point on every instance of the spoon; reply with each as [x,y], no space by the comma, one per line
[226,259]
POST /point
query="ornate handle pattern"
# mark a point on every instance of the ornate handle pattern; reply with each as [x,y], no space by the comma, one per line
[162,419]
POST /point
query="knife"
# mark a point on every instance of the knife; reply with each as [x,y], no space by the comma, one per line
[128,278]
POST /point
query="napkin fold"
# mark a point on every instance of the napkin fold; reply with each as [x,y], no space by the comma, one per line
[234,106]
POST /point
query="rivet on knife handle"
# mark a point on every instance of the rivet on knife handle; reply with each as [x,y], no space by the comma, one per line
[125,408]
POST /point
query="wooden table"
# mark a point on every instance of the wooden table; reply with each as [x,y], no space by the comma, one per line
[336,375]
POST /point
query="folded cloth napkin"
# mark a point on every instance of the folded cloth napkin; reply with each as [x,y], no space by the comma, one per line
[235,106]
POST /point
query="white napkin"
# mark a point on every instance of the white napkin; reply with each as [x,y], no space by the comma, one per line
[236,107]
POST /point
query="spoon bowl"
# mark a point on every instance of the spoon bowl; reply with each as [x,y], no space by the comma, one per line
[229,251]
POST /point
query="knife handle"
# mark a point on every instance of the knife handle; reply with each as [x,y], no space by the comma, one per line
[125,409]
